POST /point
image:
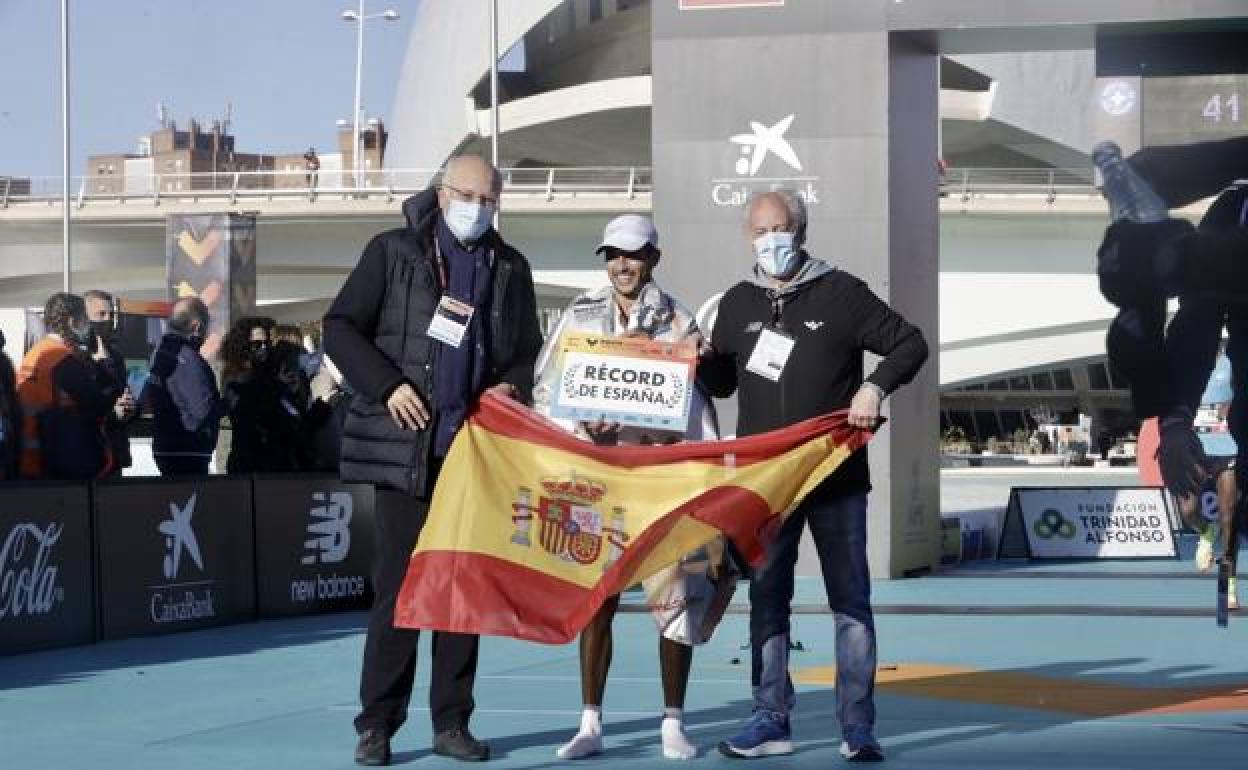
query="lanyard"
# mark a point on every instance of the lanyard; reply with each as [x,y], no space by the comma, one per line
[441,263]
[777,310]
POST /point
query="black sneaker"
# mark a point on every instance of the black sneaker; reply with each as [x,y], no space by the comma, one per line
[373,750]
[866,752]
[458,743]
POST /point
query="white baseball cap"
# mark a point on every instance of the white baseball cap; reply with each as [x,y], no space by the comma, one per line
[629,232]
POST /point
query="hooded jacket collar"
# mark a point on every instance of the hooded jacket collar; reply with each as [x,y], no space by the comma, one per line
[811,270]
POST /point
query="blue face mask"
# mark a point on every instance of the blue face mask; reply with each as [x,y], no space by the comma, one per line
[777,254]
[468,221]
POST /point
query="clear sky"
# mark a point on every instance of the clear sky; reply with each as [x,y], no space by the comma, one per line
[288,67]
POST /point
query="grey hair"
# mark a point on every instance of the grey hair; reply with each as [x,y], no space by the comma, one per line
[496,176]
[792,201]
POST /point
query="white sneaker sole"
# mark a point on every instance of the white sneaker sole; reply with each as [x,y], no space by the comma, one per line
[768,749]
[679,756]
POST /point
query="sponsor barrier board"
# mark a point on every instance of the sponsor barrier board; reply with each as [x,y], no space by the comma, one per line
[314,545]
[47,589]
[1087,523]
[174,555]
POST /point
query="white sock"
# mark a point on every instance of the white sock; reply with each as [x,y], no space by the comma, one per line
[588,740]
[676,745]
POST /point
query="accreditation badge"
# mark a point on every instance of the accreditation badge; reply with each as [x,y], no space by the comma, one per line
[450,321]
[771,355]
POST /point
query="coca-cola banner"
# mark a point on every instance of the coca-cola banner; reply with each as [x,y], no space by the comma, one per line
[174,555]
[314,545]
[46,590]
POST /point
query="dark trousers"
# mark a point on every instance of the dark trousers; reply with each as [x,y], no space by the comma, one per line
[389,652]
[182,465]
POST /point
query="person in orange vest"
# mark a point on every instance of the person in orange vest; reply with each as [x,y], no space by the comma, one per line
[65,395]
[10,417]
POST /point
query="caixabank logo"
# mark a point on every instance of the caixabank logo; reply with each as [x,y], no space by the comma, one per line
[762,158]
[178,600]
[328,541]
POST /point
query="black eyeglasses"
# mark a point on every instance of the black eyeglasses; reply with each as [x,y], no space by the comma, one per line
[465,196]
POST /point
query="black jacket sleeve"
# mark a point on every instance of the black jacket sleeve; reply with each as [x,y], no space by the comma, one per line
[717,371]
[529,340]
[351,325]
[884,332]
[91,387]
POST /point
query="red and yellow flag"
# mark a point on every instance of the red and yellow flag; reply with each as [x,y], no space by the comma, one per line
[531,528]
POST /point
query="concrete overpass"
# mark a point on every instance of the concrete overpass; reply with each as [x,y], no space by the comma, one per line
[1017,286]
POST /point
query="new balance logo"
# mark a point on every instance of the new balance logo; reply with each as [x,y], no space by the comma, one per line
[179,537]
[814,325]
[330,528]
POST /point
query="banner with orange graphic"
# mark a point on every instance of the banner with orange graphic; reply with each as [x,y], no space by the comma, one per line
[213,257]
[531,529]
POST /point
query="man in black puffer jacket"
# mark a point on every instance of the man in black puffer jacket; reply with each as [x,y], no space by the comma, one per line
[434,314]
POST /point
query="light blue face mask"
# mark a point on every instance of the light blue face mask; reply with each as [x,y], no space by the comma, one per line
[777,254]
[468,221]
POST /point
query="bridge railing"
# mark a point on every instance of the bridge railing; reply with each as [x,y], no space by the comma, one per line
[548,183]
[235,186]
[1051,183]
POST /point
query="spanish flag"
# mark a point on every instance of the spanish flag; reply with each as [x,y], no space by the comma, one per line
[531,529]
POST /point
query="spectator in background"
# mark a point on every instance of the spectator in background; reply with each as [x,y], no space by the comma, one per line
[327,411]
[289,355]
[10,417]
[102,315]
[312,165]
[264,419]
[182,388]
[65,397]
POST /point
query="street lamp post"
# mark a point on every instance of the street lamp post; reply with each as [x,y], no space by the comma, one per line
[494,82]
[66,264]
[359,17]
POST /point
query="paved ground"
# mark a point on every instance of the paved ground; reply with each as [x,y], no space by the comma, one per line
[997,666]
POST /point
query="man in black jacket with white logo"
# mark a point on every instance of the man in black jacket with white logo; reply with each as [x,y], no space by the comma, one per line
[790,343]
[433,315]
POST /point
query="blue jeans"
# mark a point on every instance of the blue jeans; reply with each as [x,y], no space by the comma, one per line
[839,527]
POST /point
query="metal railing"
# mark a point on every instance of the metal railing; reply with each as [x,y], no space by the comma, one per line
[541,183]
[237,186]
[1051,183]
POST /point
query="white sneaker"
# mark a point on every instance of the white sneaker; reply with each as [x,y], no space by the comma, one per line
[588,740]
[1204,548]
[583,744]
[676,745]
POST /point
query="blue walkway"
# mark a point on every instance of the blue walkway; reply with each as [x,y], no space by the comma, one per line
[1013,690]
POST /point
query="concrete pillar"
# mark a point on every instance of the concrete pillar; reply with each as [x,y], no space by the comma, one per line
[857,106]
